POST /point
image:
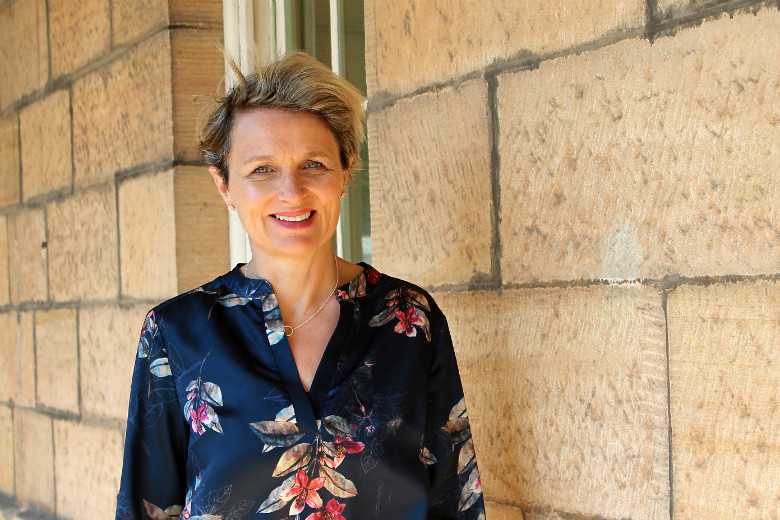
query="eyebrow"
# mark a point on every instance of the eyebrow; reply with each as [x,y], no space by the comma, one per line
[313,154]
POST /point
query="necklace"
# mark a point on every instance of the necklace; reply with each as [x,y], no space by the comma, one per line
[288,329]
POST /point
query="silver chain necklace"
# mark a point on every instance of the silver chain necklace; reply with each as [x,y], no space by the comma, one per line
[289,330]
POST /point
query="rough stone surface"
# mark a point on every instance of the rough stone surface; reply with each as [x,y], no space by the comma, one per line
[430,186]
[34,459]
[87,467]
[133,19]
[5,290]
[27,255]
[202,241]
[433,41]
[618,167]
[724,370]
[6,450]
[9,159]
[108,342]
[198,68]
[46,158]
[580,421]
[24,359]
[147,246]
[669,9]
[57,360]
[79,31]
[24,50]
[122,113]
[83,245]
[8,322]
[496,511]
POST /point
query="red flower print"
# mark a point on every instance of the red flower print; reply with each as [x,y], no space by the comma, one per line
[372,275]
[407,320]
[338,448]
[305,491]
[332,512]
[198,418]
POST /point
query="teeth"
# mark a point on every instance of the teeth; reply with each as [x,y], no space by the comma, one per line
[299,218]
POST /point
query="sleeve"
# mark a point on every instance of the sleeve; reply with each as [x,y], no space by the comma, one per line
[448,448]
[153,482]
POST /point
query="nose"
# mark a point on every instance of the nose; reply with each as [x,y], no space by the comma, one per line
[291,186]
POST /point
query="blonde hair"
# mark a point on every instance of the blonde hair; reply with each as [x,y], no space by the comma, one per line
[297,82]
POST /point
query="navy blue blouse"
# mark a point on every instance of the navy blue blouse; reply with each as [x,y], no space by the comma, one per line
[221,428]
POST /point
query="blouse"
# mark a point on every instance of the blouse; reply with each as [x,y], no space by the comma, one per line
[220,426]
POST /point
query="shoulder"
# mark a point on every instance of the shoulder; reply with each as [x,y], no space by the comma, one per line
[198,300]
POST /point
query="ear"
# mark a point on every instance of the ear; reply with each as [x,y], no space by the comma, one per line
[221,186]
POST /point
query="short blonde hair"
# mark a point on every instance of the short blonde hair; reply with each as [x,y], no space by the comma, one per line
[295,81]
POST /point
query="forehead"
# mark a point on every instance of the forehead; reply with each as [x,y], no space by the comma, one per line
[279,130]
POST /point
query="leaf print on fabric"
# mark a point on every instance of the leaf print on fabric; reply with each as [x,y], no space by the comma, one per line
[459,432]
[160,367]
[156,513]
[338,485]
[279,433]
[320,457]
[405,305]
[292,459]
[278,497]
[202,396]
[274,326]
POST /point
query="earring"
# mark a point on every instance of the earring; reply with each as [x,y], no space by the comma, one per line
[231,207]
[343,195]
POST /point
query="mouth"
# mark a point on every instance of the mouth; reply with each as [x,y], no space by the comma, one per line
[296,218]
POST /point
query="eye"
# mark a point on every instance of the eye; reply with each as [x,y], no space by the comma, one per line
[262,170]
[312,164]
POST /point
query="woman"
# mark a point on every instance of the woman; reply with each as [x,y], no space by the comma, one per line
[297,385]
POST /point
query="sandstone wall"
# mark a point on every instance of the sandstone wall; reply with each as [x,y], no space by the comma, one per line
[592,192]
[100,193]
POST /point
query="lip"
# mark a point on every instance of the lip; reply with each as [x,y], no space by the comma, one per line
[303,224]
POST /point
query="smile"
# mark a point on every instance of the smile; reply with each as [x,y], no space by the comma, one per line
[297,218]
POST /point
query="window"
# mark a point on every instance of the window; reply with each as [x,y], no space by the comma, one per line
[331,31]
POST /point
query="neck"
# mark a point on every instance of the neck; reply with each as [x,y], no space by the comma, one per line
[300,284]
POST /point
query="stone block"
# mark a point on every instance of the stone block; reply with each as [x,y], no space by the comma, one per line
[122,113]
[498,511]
[57,359]
[34,459]
[24,50]
[46,141]
[5,292]
[198,68]
[8,322]
[147,245]
[108,342]
[134,19]
[419,42]
[27,255]
[87,467]
[724,372]
[24,359]
[79,31]
[83,244]
[6,450]
[671,9]
[566,390]
[9,159]
[202,237]
[430,186]
[617,167]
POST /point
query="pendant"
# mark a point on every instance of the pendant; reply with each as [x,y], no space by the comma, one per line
[288,334]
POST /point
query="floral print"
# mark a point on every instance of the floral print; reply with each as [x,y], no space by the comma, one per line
[220,423]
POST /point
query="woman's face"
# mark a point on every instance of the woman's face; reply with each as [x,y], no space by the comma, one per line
[285,180]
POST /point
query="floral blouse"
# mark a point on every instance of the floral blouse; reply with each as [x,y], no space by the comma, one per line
[221,428]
